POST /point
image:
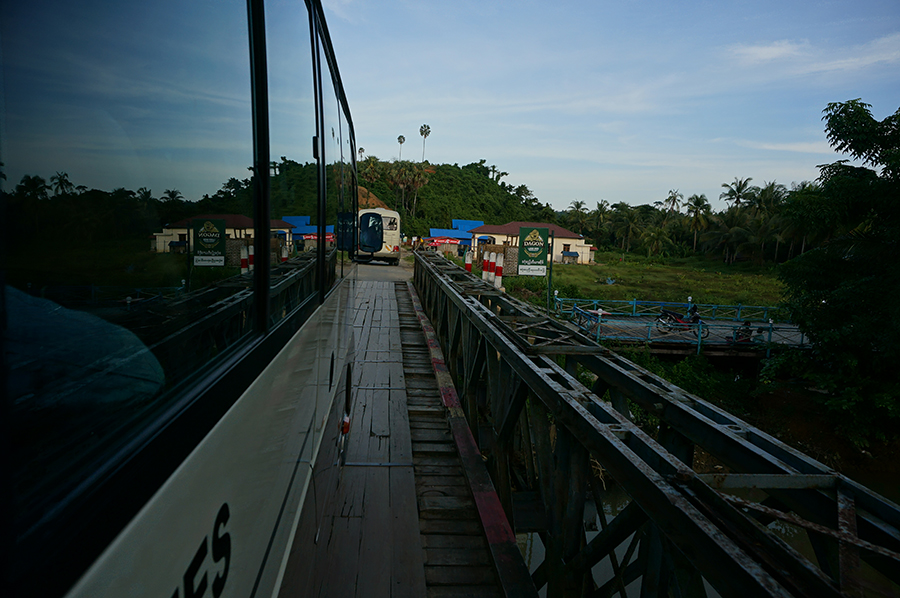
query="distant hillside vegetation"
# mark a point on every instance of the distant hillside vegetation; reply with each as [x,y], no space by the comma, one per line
[432,195]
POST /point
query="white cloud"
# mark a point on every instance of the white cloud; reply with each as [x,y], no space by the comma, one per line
[802,57]
[764,53]
[804,147]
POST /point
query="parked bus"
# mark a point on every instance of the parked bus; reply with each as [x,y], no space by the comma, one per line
[371,220]
[173,441]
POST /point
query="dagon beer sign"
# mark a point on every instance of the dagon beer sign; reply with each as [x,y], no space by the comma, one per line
[533,251]
[209,242]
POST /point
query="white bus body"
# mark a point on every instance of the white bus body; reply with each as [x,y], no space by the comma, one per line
[390,250]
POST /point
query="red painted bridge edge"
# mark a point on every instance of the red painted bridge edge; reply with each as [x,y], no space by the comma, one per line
[508,562]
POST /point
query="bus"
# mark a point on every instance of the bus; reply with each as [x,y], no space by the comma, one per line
[372,246]
[171,425]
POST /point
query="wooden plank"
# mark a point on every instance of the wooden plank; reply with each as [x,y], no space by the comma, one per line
[457,557]
[450,527]
[441,470]
[439,460]
[360,425]
[374,575]
[431,435]
[434,490]
[447,576]
[338,577]
[408,572]
[350,493]
[427,423]
[441,480]
[487,591]
[458,542]
[434,448]
[446,507]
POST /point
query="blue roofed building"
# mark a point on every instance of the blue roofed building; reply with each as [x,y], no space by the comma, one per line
[459,231]
[303,230]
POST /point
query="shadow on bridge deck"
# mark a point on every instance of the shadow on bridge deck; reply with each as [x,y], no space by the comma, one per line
[413,500]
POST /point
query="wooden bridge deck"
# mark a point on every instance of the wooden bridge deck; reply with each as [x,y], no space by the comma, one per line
[403,521]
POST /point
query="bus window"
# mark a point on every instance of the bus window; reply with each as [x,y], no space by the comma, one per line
[371,233]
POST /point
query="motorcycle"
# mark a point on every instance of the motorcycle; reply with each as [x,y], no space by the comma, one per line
[670,321]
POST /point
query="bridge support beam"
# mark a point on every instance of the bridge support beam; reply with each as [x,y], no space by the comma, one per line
[681,527]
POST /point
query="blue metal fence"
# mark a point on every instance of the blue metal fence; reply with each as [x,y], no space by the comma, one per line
[761,336]
[708,311]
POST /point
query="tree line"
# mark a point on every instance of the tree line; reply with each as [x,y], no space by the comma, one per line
[760,223]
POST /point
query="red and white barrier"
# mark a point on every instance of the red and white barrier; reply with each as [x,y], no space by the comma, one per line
[492,265]
[284,253]
[250,257]
[468,261]
[245,262]
[484,266]
[498,272]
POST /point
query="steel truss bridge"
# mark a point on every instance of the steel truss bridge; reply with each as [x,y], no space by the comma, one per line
[546,436]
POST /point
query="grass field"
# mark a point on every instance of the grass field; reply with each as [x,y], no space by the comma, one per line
[659,279]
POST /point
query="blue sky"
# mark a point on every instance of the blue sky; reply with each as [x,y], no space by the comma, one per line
[579,100]
[620,101]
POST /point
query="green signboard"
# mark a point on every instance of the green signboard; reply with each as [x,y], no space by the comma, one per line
[209,242]
[533,246]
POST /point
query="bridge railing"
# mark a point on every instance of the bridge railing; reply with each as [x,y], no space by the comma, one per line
[552,443]
[708,311]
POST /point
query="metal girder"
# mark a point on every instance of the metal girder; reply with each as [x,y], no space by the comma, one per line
[510,343]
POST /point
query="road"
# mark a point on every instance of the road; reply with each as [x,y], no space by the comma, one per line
[380,271]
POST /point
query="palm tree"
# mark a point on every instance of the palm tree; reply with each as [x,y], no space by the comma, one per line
[61,184]
[769,198]
[370,170]
[172,195]
[729,232]
[698,211]
[656,238]
[628,224]
[401,140]
[577,215]
[424,131]
[33,187]
[673,201]
[737,192]
[419,180]
[597,219]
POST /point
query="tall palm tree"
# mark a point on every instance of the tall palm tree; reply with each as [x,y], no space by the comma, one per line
[737,192]
[401,140]
[769,198]
[172,195]
[673,201]
[424,131]
[61,184]
[418,180]
[577,215]
[598,219]
[656,238]
[628,224]
[729,232]
[698,211]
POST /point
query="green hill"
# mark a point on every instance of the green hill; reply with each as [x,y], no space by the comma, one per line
[432,195]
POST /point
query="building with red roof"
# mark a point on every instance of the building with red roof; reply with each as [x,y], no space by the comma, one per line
[568,246]
[174,236]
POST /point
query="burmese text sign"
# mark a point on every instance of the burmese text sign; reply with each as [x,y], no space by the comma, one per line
[209,242]
[533,251]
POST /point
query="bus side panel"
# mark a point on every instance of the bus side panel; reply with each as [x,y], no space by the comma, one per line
[223,522]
